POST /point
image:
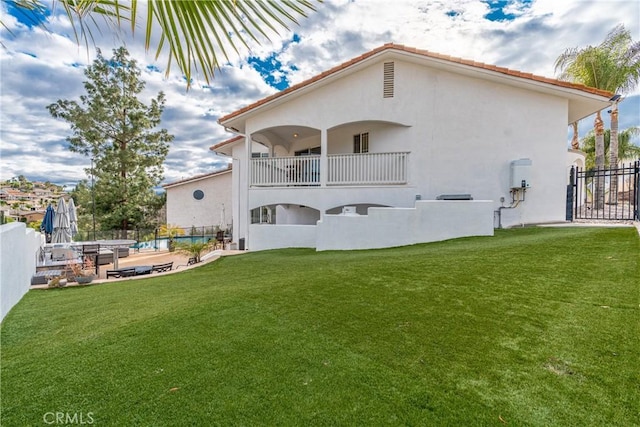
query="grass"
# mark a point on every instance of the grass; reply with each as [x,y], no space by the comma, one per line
[532,327]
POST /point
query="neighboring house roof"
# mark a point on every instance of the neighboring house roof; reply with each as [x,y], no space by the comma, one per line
[14,194]
[423,53]
[197,177]
[226,142]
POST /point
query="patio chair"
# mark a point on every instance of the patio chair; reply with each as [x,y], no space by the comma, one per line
[190,261]
[161,268]
[219,240]
[122,272]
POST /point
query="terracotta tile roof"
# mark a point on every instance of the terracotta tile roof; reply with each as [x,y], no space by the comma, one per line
[194,178]
[425,53]
[226,142]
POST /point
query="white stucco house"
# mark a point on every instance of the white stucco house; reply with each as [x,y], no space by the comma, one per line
[201,201]
[371,153]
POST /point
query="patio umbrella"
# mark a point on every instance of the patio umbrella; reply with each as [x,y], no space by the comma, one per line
[61,226]
[47,222]
[46,226]
[73,217]
[223,222]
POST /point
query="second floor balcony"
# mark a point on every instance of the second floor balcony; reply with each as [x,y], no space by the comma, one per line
[341,169]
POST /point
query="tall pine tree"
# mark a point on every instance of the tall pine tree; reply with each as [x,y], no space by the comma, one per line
[112,126]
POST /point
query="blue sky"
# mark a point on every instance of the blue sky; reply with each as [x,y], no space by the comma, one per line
[500,10]
[39,67]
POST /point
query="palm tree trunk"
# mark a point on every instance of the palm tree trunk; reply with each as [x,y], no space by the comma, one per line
[613,155]
[575,143]
[599,187]
[613,144]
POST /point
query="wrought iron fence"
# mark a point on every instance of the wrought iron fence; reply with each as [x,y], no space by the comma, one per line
[153,236]
[604,194]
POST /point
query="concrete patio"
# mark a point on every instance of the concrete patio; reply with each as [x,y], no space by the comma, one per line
[151,258]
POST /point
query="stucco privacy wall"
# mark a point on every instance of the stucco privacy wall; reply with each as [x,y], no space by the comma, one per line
[268,236]
[185,211]
[429,221]
[18,251]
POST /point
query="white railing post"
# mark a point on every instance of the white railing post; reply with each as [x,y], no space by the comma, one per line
[324,167]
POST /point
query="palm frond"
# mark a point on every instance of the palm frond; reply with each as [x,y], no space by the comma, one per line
[613,65]
[30,10]
[82,16]
[626,148]
[196,33]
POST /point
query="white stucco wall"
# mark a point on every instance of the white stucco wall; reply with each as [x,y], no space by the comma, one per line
[185,211]
[18,251]
[577,159]
[475,129]
[296,215]
[462,131]
[330,197]
[383,137]
[240,184]
[429,221]
[270,236]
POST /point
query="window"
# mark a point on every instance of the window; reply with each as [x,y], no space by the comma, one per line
[198,194]
[388,80]
[263,215]
[259,155]
[308,151]
[361,143]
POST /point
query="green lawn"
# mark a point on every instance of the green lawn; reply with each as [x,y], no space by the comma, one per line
[531,327]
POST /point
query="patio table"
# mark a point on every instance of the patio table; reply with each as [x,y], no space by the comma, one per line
[113,244]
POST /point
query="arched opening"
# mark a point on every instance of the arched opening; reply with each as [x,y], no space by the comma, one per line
[297,214]
[285,214]
[361,208]
[288,140]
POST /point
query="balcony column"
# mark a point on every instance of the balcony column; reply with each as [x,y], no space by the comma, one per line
[245,184]
[324,164]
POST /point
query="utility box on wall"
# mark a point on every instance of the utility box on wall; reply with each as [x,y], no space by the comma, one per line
[521,173]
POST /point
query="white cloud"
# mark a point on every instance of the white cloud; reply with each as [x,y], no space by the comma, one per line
[37,67]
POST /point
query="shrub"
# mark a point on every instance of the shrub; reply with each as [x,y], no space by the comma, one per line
[195,250]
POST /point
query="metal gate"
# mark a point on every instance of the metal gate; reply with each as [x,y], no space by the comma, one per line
[604,194]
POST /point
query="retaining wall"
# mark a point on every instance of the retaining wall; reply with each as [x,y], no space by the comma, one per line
[18,253]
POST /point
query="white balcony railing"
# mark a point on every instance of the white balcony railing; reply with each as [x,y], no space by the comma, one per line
[367,169]
[344,169]
[285,171]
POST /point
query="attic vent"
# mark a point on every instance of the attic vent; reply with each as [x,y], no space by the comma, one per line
[388,80]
